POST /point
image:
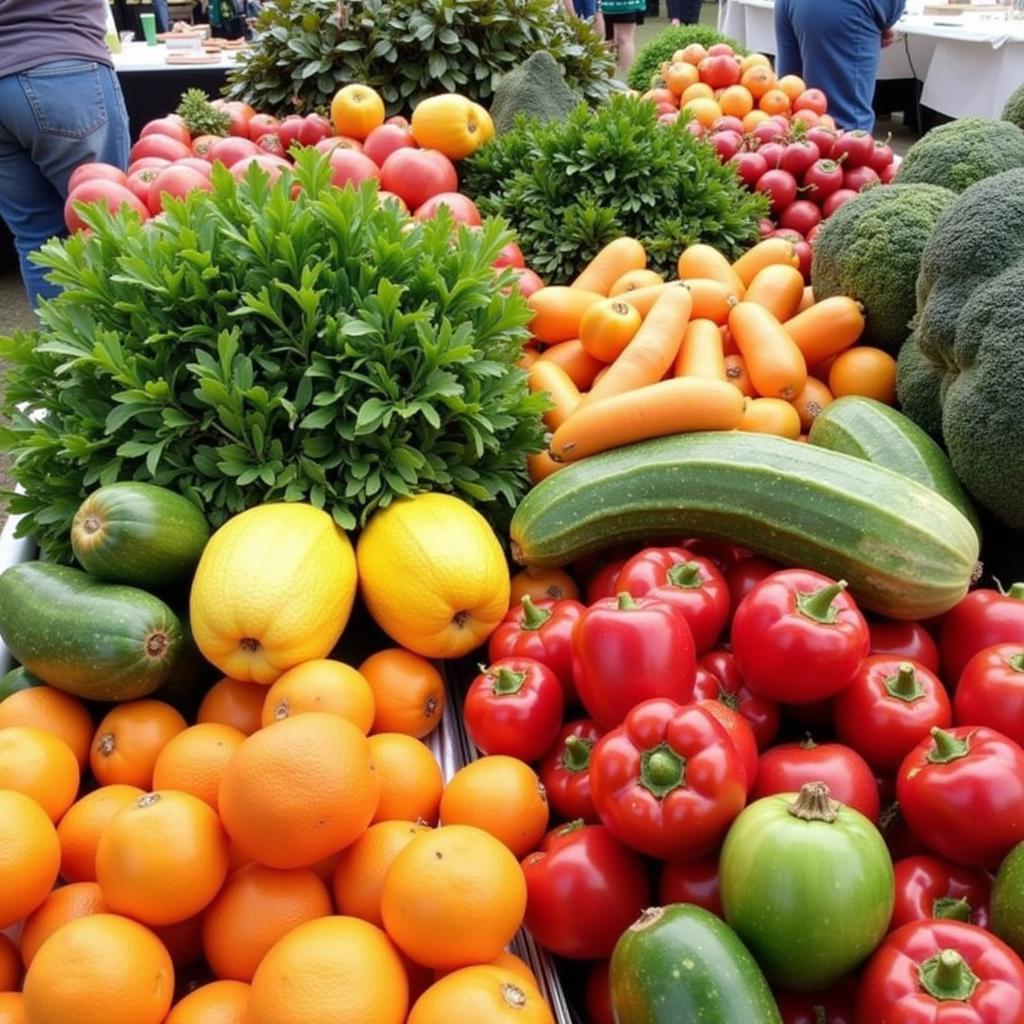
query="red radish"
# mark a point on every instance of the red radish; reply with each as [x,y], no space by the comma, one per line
[813,234]
[695,128]
[823,178]
[801,247]
[889,174]
[529,282]
[314,128]
[728,123]
[881,157]
[510,256]
[768,131]
[837,199]
[811,99]
[261,124]
[666,108]
[719,70]
[350,167]
[749,166]
[782,121]
[383,141]
[824,139]
[670,118]
[772,152]
[798,157]
[765,227]
[801,215]
[727,144]
[288,130]
[856,147]
[779,186]
[859,178]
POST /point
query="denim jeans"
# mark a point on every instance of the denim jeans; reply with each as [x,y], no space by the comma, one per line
[53,117]
[585,9]
[162,16]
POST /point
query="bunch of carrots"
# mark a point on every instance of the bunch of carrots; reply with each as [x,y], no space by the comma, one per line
[626,356]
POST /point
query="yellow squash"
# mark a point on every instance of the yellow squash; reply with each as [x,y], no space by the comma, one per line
[274,588]
[452,124]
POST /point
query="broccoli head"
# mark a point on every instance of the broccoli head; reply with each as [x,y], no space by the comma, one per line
[919,388]
[536,88]
[1014,109]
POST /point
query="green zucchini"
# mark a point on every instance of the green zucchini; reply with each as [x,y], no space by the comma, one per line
[905,551]
[17,679]
[96,640]
[877,433]
[681,963]
[139,534]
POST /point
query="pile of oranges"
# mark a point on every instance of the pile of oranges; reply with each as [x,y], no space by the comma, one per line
[296,851]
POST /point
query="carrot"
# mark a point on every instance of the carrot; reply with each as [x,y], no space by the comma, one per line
[557,312]
[572,357]
[780,289]
[700,354]
[675,406]
[703,261]
[541,466]
[643,299]
[808,300]
[777,367]
[809,403]
[764,254]
[712,300]
[827,328]
[736,374]
[770,416]
[614,260]
[648,356]
[608,327]
[634,279]
[547,376]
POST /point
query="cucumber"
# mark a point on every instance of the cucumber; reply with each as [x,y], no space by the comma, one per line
[139,534]
[905,551]
[681,963]
[96,640]
[15,680]
[877,433]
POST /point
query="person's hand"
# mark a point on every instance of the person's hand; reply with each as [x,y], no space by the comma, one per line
[888,37]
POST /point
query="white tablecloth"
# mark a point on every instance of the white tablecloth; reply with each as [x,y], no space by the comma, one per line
[977,59]
[142,57]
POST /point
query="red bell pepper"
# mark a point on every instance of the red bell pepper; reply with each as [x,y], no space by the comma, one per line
[729,687]
[942,972]
[983,618]
[833,1006]
[692,881]
[668,781]
[565,771]
[605,582]
[740,733]
[991,691]
[628,651]
[906,639]
[927,887]
[742,577]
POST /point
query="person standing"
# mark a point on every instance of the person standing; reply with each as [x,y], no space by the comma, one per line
[684,12]
[836,46]
[621,18]
[60,106]
[162,15]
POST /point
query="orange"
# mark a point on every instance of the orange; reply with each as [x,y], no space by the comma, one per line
[753,119]
[792,86]
[39,765]
[549,583]
[129,740]
[335,969]
[220,1002]
[321,685]
[679,76]
[162,859]
[501,795]
[757,80]
[866,371]
[454,896]
[62,905]
[482,994]
[257,907]
[12,1008]
[410,778]
[692,54]
[736,101]
[232,702]
[754,60]
[359,877]
[194,760]
[775,101]
[356,110]
[53,711]
[183,940]
[700,91]
[706,111]
[80,829]
[10,964]
[299,790]
[29,856]
[408,692]
[506,961]
[101,969]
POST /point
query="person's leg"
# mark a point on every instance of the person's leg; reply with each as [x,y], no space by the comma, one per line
[625,42]
[162,15]
[585,9]
[788,60]
[675,11]
[690,11]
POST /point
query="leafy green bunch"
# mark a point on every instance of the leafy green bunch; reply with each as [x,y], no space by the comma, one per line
[305,50]
[253,347]
[570,187]
[660,49]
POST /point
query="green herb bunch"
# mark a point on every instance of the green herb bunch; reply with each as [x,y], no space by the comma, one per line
[570,187]
[305,50]
[660,49]
[200,116]
[253,347]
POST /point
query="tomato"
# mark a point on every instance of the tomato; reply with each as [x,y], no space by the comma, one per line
[165,126]
[510,256]
[627,651]
[691,583]
[583,890]
[139,182]
[927,887]
[160,145]
[232,149]
[740,733]
[270,142]
[824,178]
[94,171]
[460,208]
[176,181]
[204,167]
[784,769]
[383,141]
[514,707]
[811,99]
[727,685]
[272,166]
[962,793]
[330,143]
[201,145]
[101,190]
[288,130]
[668,781]
[350,167]
[833,1006]
[991,691]
[418,174]
[148,163]
[605,582]
[807,884]
[892,704]
[745,575]
[981,619]
[798,156]
[798,637]
[240,115]
[314,127]
[692,881]
[565,771]
[942,972]
[597,995]
[906,639]
[262,124]
[527,280]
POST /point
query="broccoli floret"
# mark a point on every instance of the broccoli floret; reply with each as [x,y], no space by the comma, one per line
[919,388]
[958,154]
[870,249]
[536,88]
[1014,109]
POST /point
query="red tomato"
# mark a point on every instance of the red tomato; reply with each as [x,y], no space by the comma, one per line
[166,126]
[583,890]
[288,130]
[514,707]
[895,831]
[261,124]
[824,178]
[139,182]
[176,181]
[418,174]
[148,162]
[240,114]
[719,71]
[232,149]
[270,142]
[692,881]
[668,781]
[510,256]
[597,995]
[833,1006]
[272,166]
[691,583]
[991,691]
[383,141]
[330,143]
[350,167]
[962,793]
[784,769]
[204,167]
[798,637]
[927,887]
[314,127]
[811,99]
[94,171]
[605,582]
[745,575]
[201,145]
[626,652]
[100,190]
[981,619]
[390,197]
[565,771]
[160,145]
[906,639]
[461,208]
[892,704]
[727,685]
[740,733]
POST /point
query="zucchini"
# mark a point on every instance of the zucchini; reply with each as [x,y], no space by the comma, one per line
[877,433]
[17,679]
[905,551]
[139,534]
[96,640]
[681,963]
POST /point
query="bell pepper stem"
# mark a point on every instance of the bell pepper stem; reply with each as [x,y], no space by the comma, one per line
[572,826]
[947,747]
[625,601]
[662,770]
[952,910]
[904,685]
[814,804]
[819,606]
[533,617]
[685,575]
[576,755]
[1016,662]
[506,683]
[1016,591]
[946,977]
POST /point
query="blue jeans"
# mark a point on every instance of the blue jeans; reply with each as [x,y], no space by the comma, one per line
[53,117]
[162,16]
[585,9]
